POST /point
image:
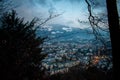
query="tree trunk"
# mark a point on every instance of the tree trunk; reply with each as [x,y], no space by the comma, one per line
[114,28]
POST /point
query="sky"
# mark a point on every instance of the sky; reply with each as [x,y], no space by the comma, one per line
[70,10]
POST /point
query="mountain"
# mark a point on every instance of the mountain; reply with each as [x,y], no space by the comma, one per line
[58,32]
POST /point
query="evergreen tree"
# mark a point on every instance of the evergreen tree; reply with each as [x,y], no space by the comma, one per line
[20,51]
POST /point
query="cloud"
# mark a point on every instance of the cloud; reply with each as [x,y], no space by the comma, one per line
[75,1]
[98,3]
[67,29]
[39,2]
[74,10]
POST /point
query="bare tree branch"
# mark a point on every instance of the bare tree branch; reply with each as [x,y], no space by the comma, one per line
[49,18]
[94,21]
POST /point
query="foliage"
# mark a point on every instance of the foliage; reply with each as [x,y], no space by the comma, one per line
[20,51]
[6,5]
[77,73]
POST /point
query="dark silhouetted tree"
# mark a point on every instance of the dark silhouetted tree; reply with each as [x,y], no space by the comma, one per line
[114,27]
[20,50]
[6,5]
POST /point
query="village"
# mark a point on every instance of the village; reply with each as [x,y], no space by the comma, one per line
[62,56]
